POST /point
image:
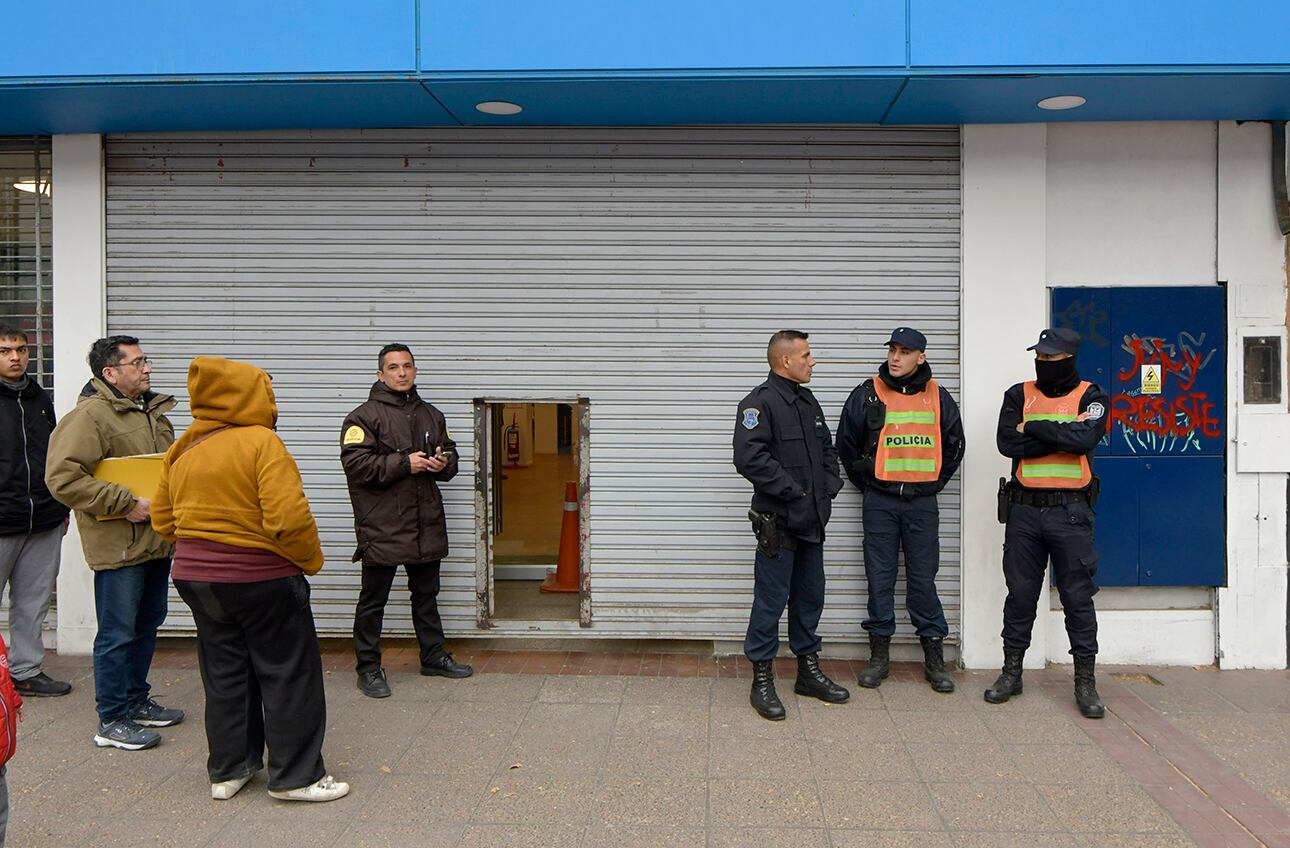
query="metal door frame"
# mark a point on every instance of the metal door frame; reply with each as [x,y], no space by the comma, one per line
[485,497]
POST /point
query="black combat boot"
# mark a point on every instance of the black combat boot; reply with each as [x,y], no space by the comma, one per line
[1009,681]
[934,665]
[1086,697]
[764,699]
[879,662]
[814,683]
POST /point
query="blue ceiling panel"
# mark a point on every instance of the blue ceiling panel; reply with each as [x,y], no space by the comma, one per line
[1023,33]
[591,35]
[71,38]
[790,100]
[989,99]
[225,106]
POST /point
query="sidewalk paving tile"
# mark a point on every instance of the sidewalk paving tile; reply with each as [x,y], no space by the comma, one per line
[639,746]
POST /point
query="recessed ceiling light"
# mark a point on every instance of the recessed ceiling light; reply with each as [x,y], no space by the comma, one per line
[1061,101]
[499,107]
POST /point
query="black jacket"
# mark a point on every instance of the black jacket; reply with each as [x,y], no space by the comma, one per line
[783,446]
[862,421]
[1045,437]
[26,420]
[398,515]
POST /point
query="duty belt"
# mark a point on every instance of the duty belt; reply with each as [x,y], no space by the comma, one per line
[1045,497]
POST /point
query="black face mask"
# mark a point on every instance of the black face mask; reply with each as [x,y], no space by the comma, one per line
[1056,373]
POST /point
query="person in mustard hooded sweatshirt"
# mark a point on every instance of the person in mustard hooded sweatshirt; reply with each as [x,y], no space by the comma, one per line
[232,500]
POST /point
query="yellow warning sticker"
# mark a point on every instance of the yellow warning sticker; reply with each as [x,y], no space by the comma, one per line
[1152,380]
[354,435]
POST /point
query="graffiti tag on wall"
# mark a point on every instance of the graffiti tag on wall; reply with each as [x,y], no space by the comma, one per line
[1175,421]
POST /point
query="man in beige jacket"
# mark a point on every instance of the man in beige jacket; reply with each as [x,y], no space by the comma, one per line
[118,414]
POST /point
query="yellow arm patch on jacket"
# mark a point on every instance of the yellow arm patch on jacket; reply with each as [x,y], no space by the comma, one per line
[354,435]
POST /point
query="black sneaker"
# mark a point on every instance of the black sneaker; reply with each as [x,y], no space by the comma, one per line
[373,683]
[149,713]
[41,686]
[445,666]
[126,735]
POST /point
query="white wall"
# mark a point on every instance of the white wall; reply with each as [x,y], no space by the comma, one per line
[1004,226]
[1105,205]
[80,317]
[1251,257]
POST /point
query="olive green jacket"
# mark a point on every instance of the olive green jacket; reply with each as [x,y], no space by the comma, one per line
[104,424]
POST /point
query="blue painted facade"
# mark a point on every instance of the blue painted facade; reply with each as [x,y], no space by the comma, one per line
[154,65]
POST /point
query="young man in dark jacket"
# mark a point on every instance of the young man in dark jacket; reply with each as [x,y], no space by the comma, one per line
[900,441]
[396,449]
[32,523]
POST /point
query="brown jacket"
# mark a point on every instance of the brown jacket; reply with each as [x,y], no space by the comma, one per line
[398,515]
[229,479]
[103,424]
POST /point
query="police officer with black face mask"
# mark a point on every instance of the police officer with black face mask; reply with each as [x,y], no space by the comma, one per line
[783,447]
[1049,427]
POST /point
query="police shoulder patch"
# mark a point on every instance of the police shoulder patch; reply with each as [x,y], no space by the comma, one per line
[354,435]
[1095,411]
[751,415]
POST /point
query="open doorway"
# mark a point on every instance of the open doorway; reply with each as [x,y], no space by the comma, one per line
[531,496]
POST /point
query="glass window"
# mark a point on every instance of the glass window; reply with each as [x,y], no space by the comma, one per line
[1262,358]
[26,238]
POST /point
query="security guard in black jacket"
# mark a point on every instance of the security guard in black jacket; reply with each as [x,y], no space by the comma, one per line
[900,440]
[782,445]
[1049,427]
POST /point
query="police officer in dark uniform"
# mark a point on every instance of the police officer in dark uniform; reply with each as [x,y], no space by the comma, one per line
[783,446]
[1049,428]
[900,440]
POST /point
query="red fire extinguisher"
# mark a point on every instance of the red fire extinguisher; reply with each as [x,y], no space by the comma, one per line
[513,443]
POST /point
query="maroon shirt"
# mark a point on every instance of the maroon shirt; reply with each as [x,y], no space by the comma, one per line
[204,561]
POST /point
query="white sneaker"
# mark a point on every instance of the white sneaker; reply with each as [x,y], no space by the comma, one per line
[327,789]
[226,789]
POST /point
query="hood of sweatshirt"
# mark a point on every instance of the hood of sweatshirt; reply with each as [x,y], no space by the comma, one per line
[225,393]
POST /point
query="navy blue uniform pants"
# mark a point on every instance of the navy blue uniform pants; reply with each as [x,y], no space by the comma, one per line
[892,523]
[794,579]
[1033,535]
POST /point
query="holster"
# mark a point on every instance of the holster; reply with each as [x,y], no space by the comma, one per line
[1094,489]
[1004,503]
[770,538]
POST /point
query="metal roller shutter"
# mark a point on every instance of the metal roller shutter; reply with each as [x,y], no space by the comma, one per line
[642,268]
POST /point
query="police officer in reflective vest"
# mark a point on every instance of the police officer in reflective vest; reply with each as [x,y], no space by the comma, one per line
[901,440]
[783,446]
[1048,427]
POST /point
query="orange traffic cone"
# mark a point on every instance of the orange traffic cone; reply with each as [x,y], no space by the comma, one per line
[565,576]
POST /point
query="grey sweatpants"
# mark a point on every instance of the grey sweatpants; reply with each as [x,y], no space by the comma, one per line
[29,565]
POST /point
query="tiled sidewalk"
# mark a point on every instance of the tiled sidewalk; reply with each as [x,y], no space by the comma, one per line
[637,749]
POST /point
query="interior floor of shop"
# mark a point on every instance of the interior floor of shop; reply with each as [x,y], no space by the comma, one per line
[533,510]
[522,600]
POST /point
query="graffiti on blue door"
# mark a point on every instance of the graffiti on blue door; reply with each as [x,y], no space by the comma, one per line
[1166,423]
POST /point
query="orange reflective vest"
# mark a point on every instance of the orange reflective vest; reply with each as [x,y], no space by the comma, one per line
[1055,470]
[909,444]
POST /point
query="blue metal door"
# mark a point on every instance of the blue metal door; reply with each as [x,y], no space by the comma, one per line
[1159,353]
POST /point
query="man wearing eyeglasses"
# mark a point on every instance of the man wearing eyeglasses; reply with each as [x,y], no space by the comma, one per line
[118,414]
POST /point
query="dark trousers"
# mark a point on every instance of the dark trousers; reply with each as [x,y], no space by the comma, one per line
[130,604]
[892,523]
[794,579]
[369,617]
[258,653]
[1033,535]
